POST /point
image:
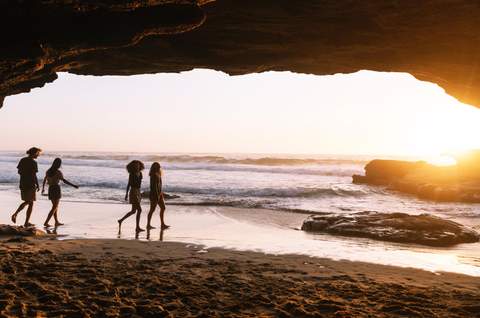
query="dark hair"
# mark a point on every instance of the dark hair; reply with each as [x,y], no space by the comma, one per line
[57,163]
[131,166]
[155,169]
[33,151]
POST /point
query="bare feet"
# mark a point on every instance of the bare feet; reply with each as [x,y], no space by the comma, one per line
[14,218]
[28,224]
[164,226]
[139,230]
[149,227]
[58,224]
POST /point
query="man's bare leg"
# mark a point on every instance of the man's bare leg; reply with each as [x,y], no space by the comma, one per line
[20,208]
[29,213]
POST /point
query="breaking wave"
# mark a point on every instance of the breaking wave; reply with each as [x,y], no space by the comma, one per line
[263,161]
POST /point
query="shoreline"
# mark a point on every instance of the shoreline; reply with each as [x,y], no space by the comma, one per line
[266,231]
[162,279]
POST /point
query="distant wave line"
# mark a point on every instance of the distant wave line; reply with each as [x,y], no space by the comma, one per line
[264,161]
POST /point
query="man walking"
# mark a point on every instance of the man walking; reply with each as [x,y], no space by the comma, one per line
[27,169]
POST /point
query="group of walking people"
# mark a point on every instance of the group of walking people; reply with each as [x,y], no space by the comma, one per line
[29,186]
[134,195]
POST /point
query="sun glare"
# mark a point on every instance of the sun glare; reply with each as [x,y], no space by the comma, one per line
[442,161]
[367,113]
[445,130]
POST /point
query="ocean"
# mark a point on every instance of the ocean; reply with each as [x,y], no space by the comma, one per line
[243,202]
[302,184]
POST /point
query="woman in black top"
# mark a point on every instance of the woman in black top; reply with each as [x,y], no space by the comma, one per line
[156,195]
[27,169]
[134,169]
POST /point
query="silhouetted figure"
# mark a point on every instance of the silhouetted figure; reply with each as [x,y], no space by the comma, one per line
[134,169]
[53,178]
[156,195]
[27,169]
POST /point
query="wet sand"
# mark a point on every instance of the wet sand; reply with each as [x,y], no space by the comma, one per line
[159,276]
[127,278]
[271,232]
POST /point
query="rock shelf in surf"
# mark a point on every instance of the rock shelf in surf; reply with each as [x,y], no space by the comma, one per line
[456,183]
[13,230]
[422,229]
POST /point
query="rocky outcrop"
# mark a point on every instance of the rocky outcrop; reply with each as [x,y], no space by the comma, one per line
[458,183]
[435,41]
[384,172]
[393,227]
[13,230]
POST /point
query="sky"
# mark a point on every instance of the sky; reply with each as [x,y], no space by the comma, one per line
[204,111]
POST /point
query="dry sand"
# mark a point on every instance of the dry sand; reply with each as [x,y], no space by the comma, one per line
[126,278]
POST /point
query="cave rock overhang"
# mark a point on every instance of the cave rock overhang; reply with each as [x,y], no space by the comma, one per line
[435,41]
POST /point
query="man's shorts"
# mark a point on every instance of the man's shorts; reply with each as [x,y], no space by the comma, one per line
[29,195]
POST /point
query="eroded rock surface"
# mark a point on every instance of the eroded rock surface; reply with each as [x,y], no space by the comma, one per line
[13,230]
[435,41]
[393,227]
[457,183]
[384,172]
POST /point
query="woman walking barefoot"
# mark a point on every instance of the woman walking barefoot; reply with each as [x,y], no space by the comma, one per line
[27,169]
[53,178]
[134,169]
[156,195]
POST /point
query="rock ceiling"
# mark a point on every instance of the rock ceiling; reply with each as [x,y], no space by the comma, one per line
[435,41]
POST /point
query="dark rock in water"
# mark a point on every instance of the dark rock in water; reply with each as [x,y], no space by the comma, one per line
[383,172]
[166,196]
[458,183]
[422,229]
[359,179]
[13,230]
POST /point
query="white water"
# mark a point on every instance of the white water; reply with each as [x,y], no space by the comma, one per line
[251,184]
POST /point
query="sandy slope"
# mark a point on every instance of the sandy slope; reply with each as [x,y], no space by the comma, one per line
[101,278]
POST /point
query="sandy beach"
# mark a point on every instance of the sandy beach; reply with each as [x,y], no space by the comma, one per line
[126,278]
[231,264]
[258,230]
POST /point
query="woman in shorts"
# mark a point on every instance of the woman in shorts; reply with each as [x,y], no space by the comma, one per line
[133,194]
[53,178]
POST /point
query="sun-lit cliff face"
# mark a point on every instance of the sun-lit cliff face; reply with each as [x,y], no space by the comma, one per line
[435,41]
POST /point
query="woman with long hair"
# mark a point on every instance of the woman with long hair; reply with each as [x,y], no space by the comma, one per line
[53,178]
[133,194]
[156,195]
